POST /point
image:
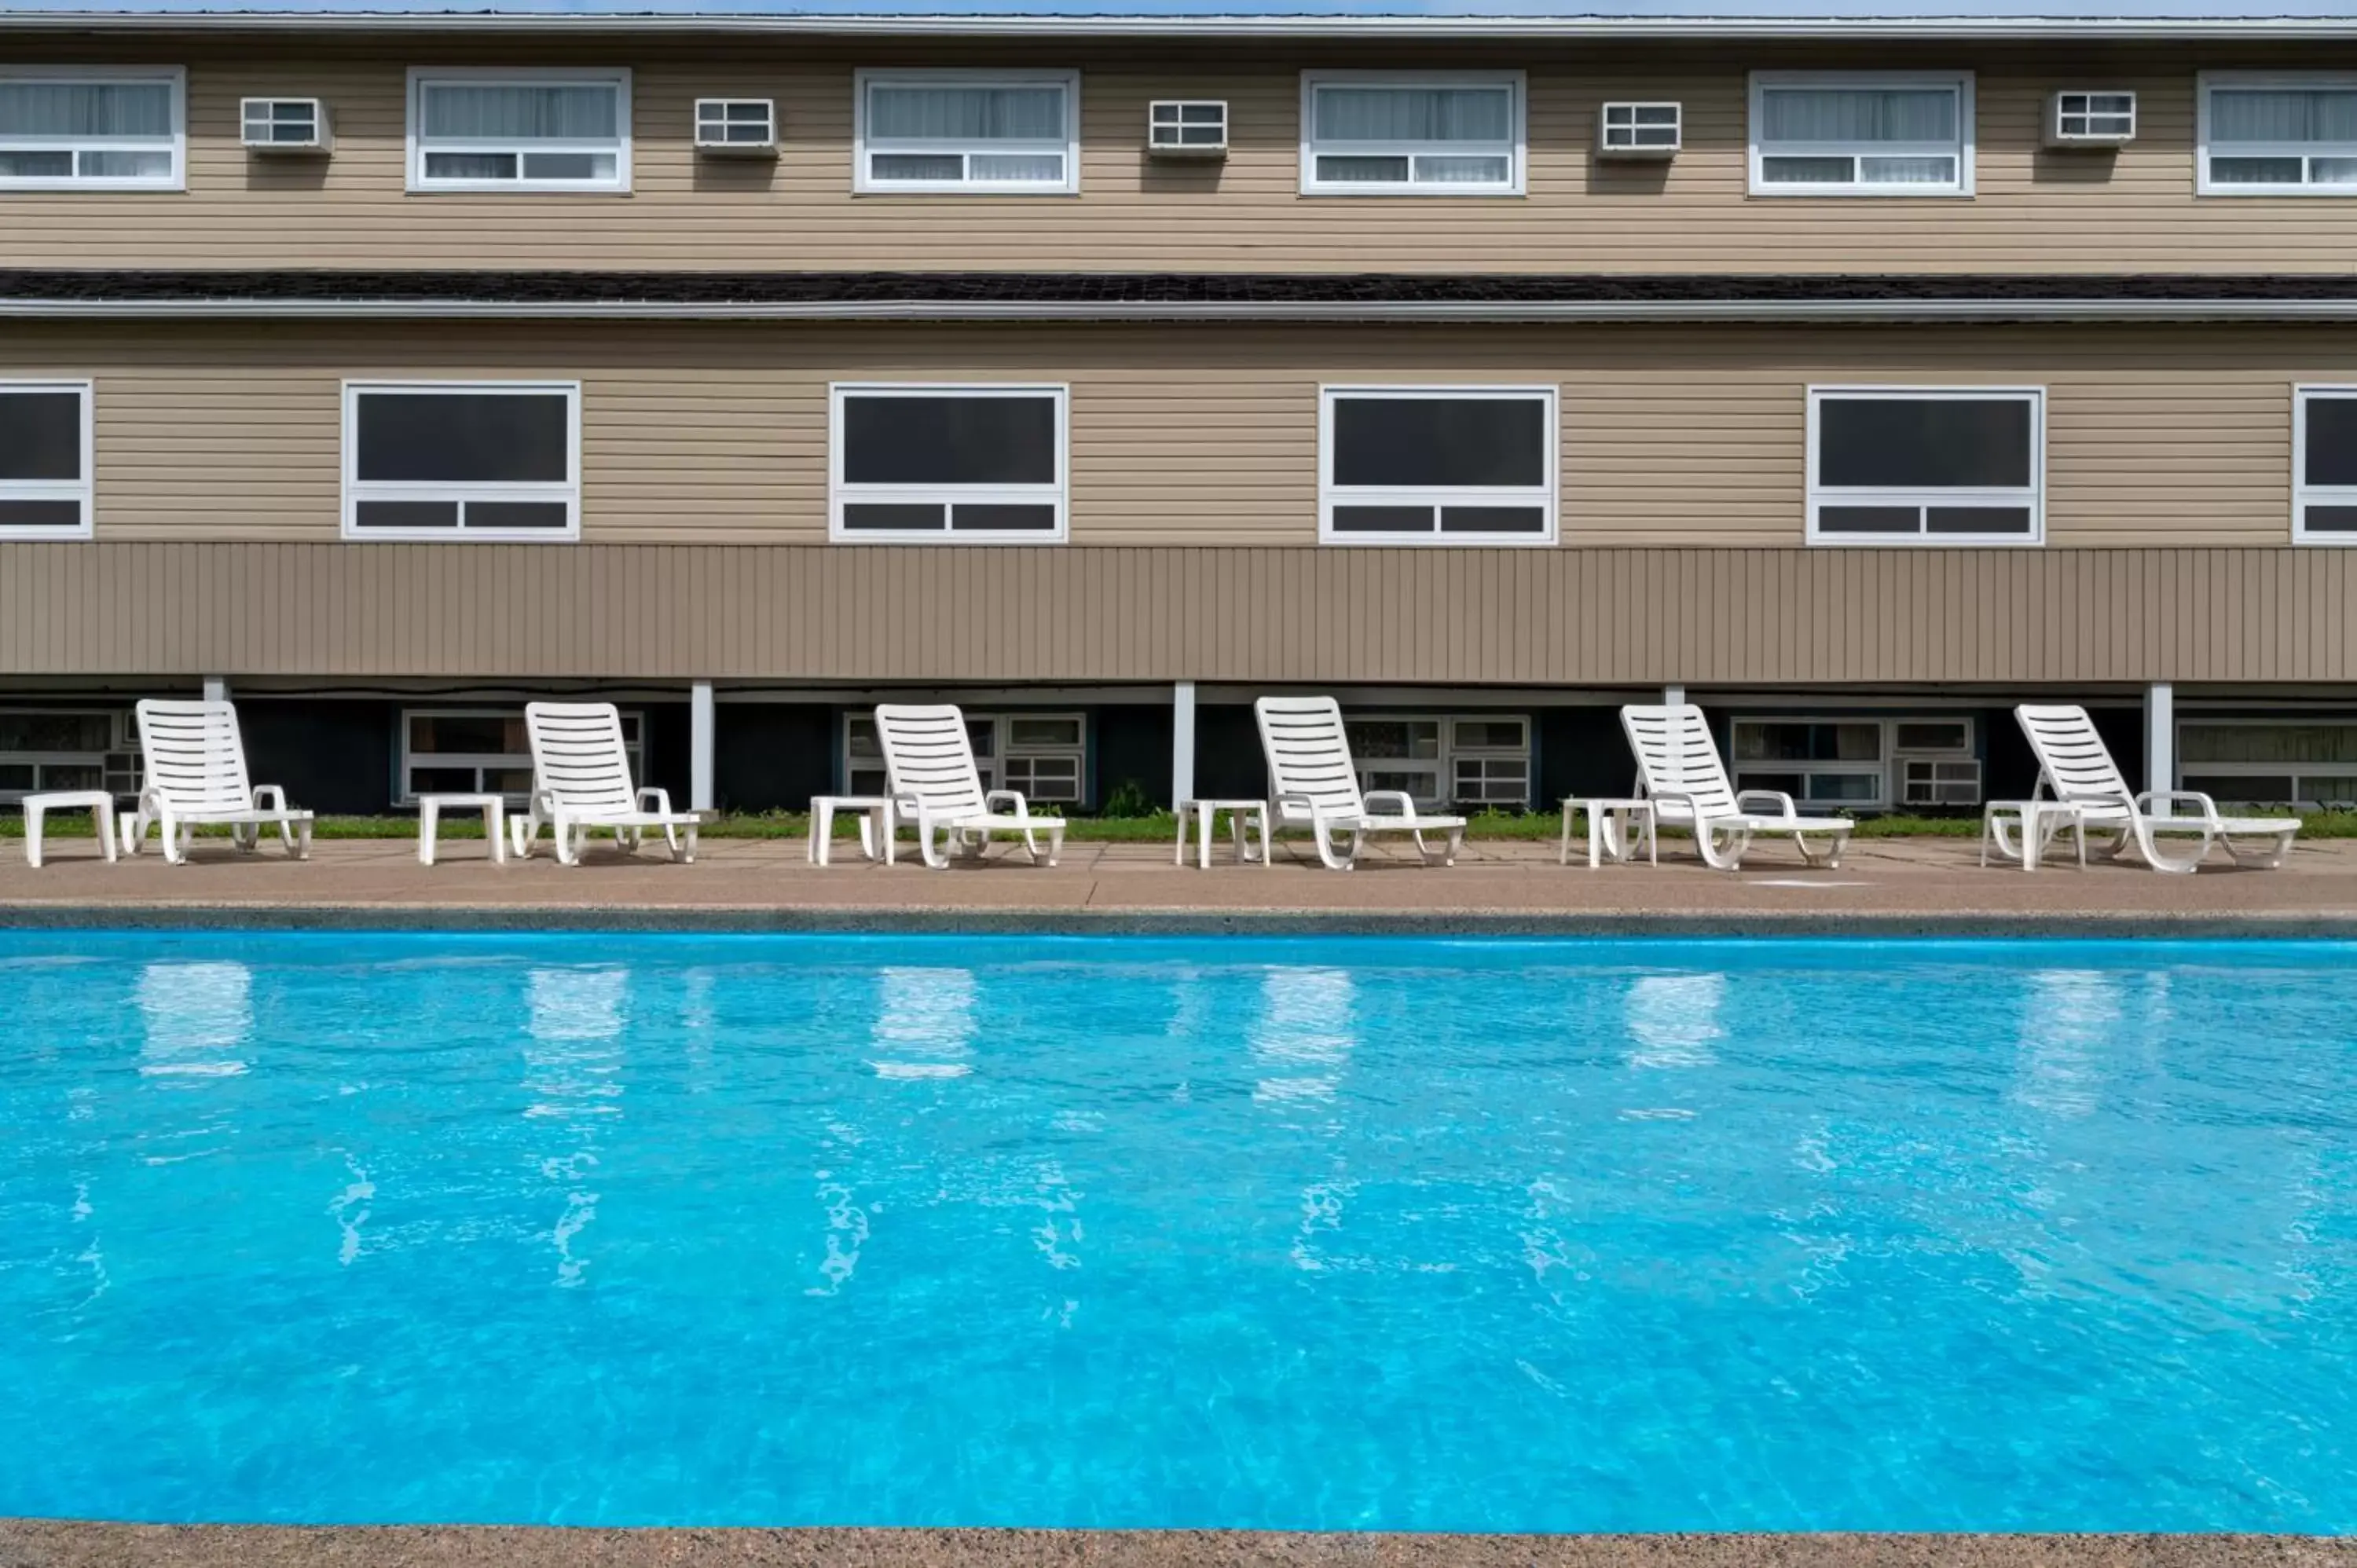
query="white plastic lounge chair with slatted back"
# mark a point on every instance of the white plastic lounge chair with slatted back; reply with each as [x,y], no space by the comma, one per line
[2075,767]
[194,760]
[932,777]
[1678,768]
[1313,782]
[581,780]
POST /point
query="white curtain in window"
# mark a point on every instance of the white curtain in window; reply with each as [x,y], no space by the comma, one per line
[1462,170]
[2288,115]
[497,112]
[85,109]
[965,114]
[1857,114]
[1414,115]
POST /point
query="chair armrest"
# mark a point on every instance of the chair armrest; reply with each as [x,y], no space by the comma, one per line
[662,798]
[990,798]
[1407,801]
[269,796]
[1777,798]
[1661,797]
[2162,800]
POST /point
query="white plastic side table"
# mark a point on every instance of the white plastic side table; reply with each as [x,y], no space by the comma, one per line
[429,822]
[97,803]
[2029,819]
[875,826]
[1614,824]
[1242,817]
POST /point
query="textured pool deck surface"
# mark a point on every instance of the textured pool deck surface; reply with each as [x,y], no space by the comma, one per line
[34,1543]
[1884,885]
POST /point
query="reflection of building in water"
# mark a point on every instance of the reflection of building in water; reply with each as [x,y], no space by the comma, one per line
[924,1023]
[198,1018]
[1673,1019]
[2070,1024]
[572,1062]
[1304,1036]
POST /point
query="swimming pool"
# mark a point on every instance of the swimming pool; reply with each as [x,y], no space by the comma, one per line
[1348,1233]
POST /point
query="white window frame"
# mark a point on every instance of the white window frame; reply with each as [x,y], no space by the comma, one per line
[2033,496]
[2288,80]
[84,491]
[2301,773]
[174,76]
[2303,494]
[841,492]
[1331,495]
[618,77]
[122,733]
[1442,764]
[405,793]
[992,768]
[1963,151]
[356,492]
[1515,81]
[865,184]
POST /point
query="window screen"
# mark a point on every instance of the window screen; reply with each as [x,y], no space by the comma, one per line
[973,464]
[1438,465]
[1932,467]
[475,460]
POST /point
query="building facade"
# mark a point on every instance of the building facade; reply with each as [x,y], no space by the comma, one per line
[1856,379]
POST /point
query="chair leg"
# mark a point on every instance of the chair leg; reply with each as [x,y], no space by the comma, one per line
[1325,836]
[682,849]
[1055,844]
[2176,865]
[1706,840]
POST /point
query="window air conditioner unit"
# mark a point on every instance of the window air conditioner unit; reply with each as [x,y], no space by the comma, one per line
[2094,120]
[283,124]
[1939,781]
[736,128]
[1638,130]
[1186,128]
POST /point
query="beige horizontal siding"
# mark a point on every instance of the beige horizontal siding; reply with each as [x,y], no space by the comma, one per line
[2035,211]
[1196,435]
[1607,616]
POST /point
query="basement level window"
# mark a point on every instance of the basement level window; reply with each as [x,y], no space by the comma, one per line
[1444,760]
[480,751]
[462,460]
[538,131]
[1847,135]
[45,460]
[2274,762]
[91,130]
[1926,466]
[2279,135]
[43,749]
[964,131]
[1438,466]
[971,464]
[1043,755]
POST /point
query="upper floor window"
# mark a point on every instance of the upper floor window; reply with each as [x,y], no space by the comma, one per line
[956,464]
[539,130]
[45,451]
[1437,465]
[462,460]
[968,130]
[91,130]
[1927,466]
[2324,465]
[2277,135]
[1850,134]
[1411,136]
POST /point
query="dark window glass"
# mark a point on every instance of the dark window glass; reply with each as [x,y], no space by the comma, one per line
[1976,520]
[1382,520]
[518,514]
[405,514]
[1870,520]
[40,436]
[40,514]
[470,166]
[868,515]
[54,731]
[473,734]
[1439,441]
[996,519]
[441,780]
[2333,519]
[2270,788]
[464,438]
[1494,519]
[949,440]
[1912,442]
[2331,441]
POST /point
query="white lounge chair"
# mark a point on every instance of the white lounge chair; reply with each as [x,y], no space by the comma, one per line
[194,758]
[1678,768]
[581,780]
[1313,782]
[2075,767]
[933,782]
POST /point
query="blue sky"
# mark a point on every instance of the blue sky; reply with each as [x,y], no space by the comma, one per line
[1841,9]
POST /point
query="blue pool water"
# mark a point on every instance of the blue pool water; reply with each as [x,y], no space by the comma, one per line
[1339,1234]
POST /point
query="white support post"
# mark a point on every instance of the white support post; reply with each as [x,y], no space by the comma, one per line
[1182,742]
[700,726]
[215,688]
[1673,697]
[2160,737]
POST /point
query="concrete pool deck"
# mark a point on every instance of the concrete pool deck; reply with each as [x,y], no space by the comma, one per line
[1885,885]
[41,1543]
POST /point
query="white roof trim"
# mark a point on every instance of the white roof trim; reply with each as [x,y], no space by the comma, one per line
[1526,29]
[1051,310]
